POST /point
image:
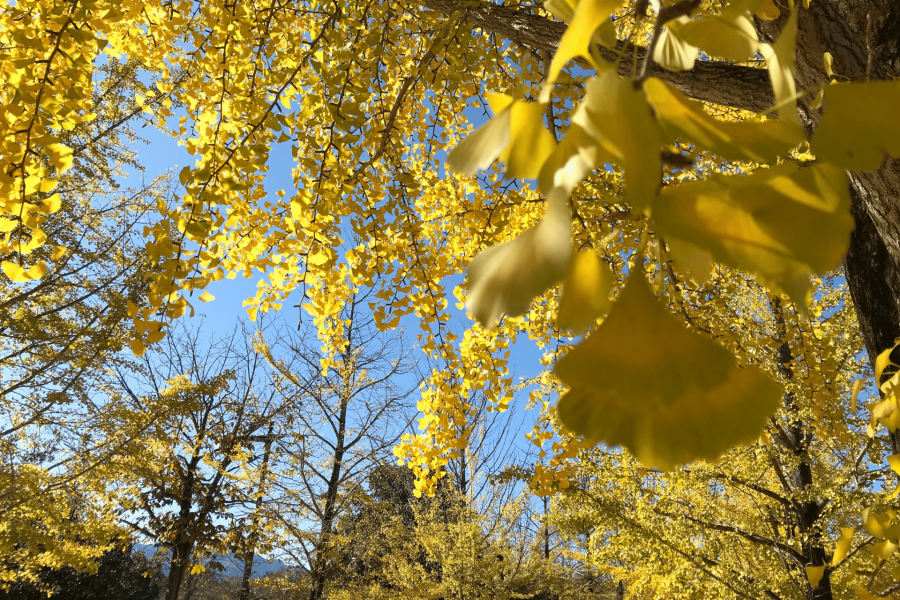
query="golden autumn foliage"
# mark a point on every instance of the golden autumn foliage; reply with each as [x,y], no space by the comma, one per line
[678,262]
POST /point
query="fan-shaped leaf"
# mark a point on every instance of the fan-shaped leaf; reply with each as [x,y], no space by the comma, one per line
[643,381]
[506,278]
[781,223]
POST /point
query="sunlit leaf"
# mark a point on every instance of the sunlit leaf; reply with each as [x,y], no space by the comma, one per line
[588,16]
[670,396]
[781,223]
[516,134]
[621,118]
[843,545]
[576,156]
[585,292]
[730,34]
[506,278]
[671,52]
[696,261]
[530,144]
[685,120]
[485,145]
[880,524]
[815,574]
[137,347]
[854,132]
[768,11]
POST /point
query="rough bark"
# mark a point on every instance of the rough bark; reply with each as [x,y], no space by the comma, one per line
[713,81]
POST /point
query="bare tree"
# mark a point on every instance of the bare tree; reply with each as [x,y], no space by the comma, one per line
[345,421]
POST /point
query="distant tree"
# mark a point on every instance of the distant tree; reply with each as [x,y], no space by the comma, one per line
[188,481]
[350,408]
[122,574]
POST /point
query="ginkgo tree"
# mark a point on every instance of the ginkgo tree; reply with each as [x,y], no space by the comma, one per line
[610,168]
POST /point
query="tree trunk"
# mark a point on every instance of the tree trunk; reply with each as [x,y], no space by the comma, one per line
[181,554]
[319,575]
[250,546]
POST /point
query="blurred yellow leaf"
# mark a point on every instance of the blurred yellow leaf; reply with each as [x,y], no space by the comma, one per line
[854,132]
[206,297]
[671,52]
[781,223]
[585,292]
[670,396]
[505,278]
[516,135]
[137,347]
[20,274]
[571,161]
[485,145]
[843,545]
[780,57]
[620,117]
[685,120]
[768,11]
[588,16]
[815,574]
[730,34]
[530,144]
[689,257]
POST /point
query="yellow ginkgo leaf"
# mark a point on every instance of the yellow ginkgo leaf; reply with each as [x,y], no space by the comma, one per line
[485,145]
[58,252]
[828,61]
[51,204]
[571,161]
[155,336]
[768,11]
[530,144]
[781,223]
[883,551]
[20,274]
[780,57]
[206,297]
[815,574]
[585,292]
[696,261]
[843,545]
[524,144]
[880,524]
[15,272]
[671,52]
[853,132]
[506,278]
[38,270]
[60,156]
[587,17]
[730,34]
[685,120]
[621,118]
[864,594]
[643,381]
[137,347]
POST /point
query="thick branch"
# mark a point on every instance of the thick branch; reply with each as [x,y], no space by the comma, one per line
[711,81]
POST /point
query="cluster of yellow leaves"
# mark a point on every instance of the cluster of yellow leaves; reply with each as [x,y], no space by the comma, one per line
[782,224]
